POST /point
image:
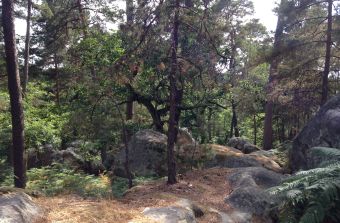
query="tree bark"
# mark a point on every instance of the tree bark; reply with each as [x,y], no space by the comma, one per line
[233,127]
[325,87]
[176,93]
[15,93]
[273,71]
[56,70]
[27,46]
[255,129]
[129,104]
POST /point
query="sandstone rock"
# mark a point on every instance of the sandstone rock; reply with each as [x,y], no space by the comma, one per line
[170,214]
[224,156]
[323,130]
[19,208]
[249,193]
[149,154]
[243,145]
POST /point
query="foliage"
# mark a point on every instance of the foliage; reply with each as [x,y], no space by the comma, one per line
[120,185]
[311,196]
[57,179]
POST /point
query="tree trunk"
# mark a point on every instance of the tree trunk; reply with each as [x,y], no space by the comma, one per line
[129,104]
[233,127]
[15,93]
[273,71]
[57,80]
[255,129]
[176,94]
[325,87]
[27,46]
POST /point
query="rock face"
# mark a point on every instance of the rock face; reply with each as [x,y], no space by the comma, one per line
[223,156]
[249,185]
[243,145]
[321,131]
[19,208]
[149,154]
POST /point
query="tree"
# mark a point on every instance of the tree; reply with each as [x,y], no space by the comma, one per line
[27,45]
[15,93]
[325,87]
[176,94]
[273,72]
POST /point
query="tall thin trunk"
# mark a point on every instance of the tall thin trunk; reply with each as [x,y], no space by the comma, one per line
[56,70]
[129,104]
[15,93]
[176,94]
[273,72]
[126,144]
[233,127]
[325,87]
[27,46]
[255,129]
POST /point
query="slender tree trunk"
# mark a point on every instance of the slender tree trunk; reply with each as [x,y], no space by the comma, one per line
[27,46]
[126,144]
[56,70]
[176,93]
[325,87]
[255,129]
[233,127]
[273,71]
[129,104]
[15,93]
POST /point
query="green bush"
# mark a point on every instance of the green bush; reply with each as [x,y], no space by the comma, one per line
[56,179]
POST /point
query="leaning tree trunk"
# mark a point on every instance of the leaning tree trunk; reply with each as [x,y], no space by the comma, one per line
[27,46]
[325,87]
[176,93]
[273,72]
[15,93]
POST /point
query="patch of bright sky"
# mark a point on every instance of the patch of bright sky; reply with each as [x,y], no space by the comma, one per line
[263,11]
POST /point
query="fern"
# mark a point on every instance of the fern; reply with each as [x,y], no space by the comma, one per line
[311,196]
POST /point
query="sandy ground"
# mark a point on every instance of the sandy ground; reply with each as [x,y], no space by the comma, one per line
[206,188]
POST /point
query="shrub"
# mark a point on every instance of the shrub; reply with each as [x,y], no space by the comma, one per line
[311,196]
[56,179]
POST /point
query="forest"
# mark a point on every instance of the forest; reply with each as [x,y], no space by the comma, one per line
[169,111]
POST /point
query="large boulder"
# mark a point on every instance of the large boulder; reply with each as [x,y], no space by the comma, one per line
[41,156]
[249,194]
[323,130]
[223,156]
[19,208]
[183,211]
[243,145]
[148,154]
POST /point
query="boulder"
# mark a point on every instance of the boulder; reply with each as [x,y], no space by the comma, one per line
[223,156]
[170,214]
[183,211]
[249,194]
[323,130]
[42,156]
[149,154]
[19,208]
[243,145]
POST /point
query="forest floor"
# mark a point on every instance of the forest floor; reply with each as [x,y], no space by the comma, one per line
[206,188]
